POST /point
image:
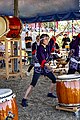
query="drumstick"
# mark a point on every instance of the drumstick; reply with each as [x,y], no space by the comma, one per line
[5,33]
[62,31]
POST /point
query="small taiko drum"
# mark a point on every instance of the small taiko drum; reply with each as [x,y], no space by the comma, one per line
[68,90]
[11,26]
[8,106]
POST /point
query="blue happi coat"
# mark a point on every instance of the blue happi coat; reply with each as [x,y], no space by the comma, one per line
[43,55]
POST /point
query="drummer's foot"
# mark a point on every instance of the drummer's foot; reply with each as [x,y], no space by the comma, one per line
[24,103]
[51,95]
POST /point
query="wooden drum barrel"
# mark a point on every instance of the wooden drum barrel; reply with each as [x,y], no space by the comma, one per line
[8,106]
[10,25]
[68,90]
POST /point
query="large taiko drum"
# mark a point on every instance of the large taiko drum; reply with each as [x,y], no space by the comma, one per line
[12,25]
[8,106]
[68,90]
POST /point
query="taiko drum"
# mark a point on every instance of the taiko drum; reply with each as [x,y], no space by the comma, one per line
[68,90]
[8,105]
[12,26]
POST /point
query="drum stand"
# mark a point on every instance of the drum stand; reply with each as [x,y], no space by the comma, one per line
[70,109]
[9,57]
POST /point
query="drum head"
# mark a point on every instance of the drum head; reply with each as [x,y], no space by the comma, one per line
[2,25]
[70,76]
[5,92]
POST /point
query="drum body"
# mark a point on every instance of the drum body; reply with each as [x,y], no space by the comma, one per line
[8,106]
[68,90]
[11,25]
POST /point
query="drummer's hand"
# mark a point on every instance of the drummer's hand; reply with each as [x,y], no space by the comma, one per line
[49,62]
[48,66]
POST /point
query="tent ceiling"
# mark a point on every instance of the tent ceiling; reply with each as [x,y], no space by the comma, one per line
[42,10]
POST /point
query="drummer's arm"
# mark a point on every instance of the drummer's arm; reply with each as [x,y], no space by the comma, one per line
[47,64]
[44,62]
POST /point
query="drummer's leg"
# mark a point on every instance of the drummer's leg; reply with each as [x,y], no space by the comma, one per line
[30,88]
[51,76]
[33,84]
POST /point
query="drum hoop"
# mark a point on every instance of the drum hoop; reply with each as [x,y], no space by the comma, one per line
[69,76]
[69,79]
[7,98]
[5,92]
[7,23]
[68,105]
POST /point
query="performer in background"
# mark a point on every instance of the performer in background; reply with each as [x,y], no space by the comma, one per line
[72,42]
[28,40]
[65,40]
[42,67]
[55,49]
[2,53]
[28,43]
[34,49]
[74,56]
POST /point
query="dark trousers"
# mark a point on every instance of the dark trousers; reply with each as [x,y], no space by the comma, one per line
[36,76]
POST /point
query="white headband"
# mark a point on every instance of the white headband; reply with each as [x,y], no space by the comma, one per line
[44,38]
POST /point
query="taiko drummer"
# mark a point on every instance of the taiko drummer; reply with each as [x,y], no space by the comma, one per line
[42,67]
